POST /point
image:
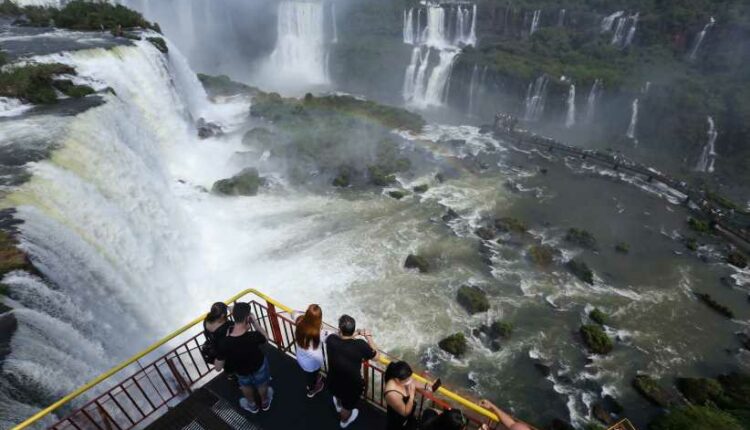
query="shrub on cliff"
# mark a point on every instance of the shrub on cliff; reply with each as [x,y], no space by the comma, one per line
[33,83]
[473,299]
[596,339]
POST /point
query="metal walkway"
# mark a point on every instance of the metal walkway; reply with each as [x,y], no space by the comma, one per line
[216,405]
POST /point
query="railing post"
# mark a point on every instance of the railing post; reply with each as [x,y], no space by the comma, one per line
[273,319]
[180,380]
[366,373]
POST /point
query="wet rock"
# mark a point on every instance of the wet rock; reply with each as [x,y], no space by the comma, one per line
[699,226]
[245,183]
[696,418]
[736,388]
[713,304]
[159,43]
[700,391]
[380,177]
[612,405]
[421,188]
[653,391]
[622,248]
[417,262]
[744,340]
[581,238]
[454,344]
[596,339]
[558,424]
[581,270]
[598,316]
[473,299]
[440,177]
[486,233]
[208,129]
[544,369]
[343,180]
[398,195]
[450,215]
[510,225]
[600,413]
[486,129]
[543,255]
[691,243]
[735,258]
[727,281]
[12,258]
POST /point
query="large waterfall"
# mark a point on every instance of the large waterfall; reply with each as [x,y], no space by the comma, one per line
[631,133]
[591,101]
[570,117]
[301,53]
[535,99]
[707,159]
[445,30]
[701,36]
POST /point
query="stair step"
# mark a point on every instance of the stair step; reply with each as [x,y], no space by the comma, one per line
[194,425]
[230,415]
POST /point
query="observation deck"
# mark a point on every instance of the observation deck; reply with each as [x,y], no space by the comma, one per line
[170,386]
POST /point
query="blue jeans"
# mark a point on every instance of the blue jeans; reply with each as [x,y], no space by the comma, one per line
[259,377]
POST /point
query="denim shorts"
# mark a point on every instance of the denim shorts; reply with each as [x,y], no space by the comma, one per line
[260,377]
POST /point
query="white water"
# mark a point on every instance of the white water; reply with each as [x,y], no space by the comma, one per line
[708,156]
[609,21]
[535,21]
[300,54]
[334,24]
[535,99]
[701,36]
[12,107]
[561,18]
[592,100]
[570,117]
[631,31]
[619,31]
[409,35]
[631,133]
[473,88]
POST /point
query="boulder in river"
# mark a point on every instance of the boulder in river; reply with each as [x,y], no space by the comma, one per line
[454,344]
[417,262]
[713,304]
[700,391]
[245,183]
[649,388]
[622,247]
[735,258]
[581,237]
[581,270]
[421,188]
[598,316]
[696,418]
[698,225]
[397,194]
[510,224]
[596,339]
[473,299]
[486,233]
[12,258]
[543,255]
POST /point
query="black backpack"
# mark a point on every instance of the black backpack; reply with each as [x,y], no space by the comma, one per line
[209,349]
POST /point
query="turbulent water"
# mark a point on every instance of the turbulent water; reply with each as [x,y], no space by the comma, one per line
[118,220]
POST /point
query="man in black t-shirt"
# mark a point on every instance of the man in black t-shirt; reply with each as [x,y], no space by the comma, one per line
[240,351]
[345,357]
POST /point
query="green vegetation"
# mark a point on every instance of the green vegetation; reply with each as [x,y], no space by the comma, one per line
[501,329]
[11,258]
[417,262]
[397,194]
[245,183]
[543,255]
[691,243]
[342,180]
[700,391]
[36,83]
[598,316]
[510,224]
[421,188]
[80,15]
[696,418]
[649,388]
[159,43]
[735,258]
[581,238]
[454,344]
[699,226]
[222,85]
[622,247]
[596,340]
[473,299]
[581,270]
[713,304]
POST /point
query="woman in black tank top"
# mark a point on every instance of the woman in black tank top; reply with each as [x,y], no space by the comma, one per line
[400,396]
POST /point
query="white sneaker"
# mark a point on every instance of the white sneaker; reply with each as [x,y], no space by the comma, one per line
[250,407]
[354,415]
[336,404]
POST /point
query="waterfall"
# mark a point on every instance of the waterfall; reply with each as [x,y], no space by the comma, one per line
[535,22]
[708,156]
[447,28]
[409,36]
[631,133]
[570,118]
[609,21]
[591,101]
[631,31]
[473,88]
[300,52]
[334,25]
[535,99]
[701,36]
[561,18]
[101,222]
[617,37]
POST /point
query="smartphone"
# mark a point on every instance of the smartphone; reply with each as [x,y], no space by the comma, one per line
[436,385]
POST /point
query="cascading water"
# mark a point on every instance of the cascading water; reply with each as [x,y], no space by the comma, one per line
[424,86]
[300,54]
[631,31]
[535,99]
[535,22]
[473,88]
[701,36]
[708,156]
[625,28]
[609,21]
[561,18]
[570,117]
[591,101]
[617,37]
[631,133]
[334,24]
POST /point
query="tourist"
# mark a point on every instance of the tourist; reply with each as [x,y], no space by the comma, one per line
[216,326]
[400,396]
[452,419]
[508,421]
[240,351]
[309,339]
[345,357]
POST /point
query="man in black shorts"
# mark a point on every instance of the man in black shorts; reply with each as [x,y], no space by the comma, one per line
[345,357]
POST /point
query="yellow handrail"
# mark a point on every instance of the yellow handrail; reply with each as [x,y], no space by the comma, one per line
[89,385]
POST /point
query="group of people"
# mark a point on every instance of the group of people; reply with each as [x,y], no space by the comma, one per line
[234,346]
